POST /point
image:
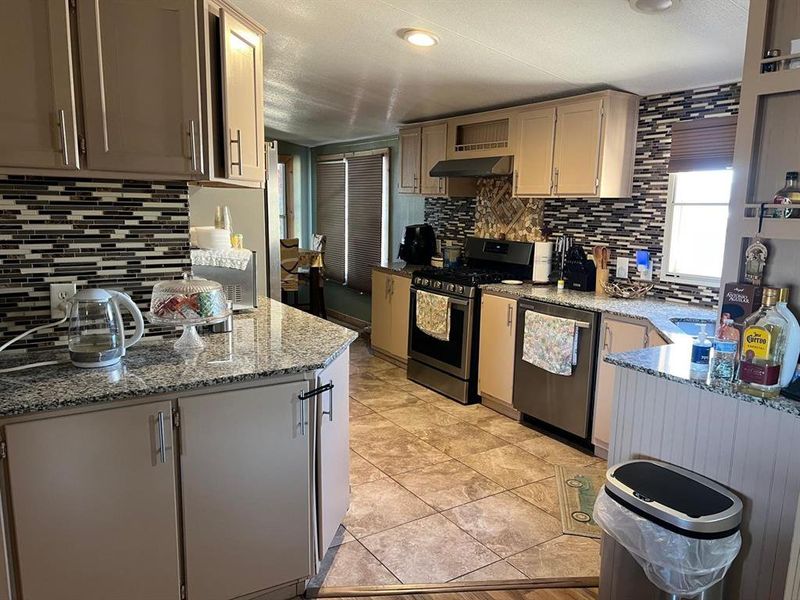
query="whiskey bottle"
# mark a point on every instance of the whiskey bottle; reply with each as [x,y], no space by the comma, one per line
[763,345]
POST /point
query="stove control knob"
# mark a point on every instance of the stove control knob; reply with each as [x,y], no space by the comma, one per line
[417,280]
[424,282]
[450,287]
[437,284]
[460,289]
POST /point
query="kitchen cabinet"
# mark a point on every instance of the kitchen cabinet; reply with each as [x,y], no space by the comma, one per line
[38,120]
[141,85]
[332,469]
[243,98]
[433,149]
[480,135]
[576,152]
[95,509]
[391,299]
[246,486]
[616,335]
[410,149]
[496,352]
[533,162]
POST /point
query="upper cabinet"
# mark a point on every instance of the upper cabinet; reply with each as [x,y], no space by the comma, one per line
[433,149]
[141,86]
[410,140]
[533,162]
[169,89]
[476,136]
[38,119]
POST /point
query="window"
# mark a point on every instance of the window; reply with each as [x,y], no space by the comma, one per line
[352,213]
[697,218]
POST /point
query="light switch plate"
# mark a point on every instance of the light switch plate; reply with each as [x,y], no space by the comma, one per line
[622,268]
[59,294]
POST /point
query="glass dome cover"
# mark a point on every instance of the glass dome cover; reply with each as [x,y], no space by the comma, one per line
[187,300]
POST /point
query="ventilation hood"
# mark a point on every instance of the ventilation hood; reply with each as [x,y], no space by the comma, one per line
[473,167]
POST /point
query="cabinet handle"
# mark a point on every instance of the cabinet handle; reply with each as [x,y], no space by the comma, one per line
[302,422]
[555,180]
[192,145]
[391,286]
[162,438]
[508,316]
[516,181]
[607,338]
[329,412]
[304,396]
[645,339]
[238,142]
[62,135]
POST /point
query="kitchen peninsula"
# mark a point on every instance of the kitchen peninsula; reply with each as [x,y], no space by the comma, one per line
[220,474]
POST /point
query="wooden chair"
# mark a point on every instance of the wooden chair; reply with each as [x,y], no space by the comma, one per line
[317,292]
[290,261]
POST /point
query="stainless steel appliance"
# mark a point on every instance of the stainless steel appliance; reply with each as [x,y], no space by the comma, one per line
[565,402]
[450,366]
[241,286]
[419,244]
[96,331]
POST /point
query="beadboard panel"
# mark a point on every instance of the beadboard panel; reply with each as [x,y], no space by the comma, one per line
[747,447]
[124,235]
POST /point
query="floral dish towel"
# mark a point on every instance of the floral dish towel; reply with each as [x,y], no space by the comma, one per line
[433,315]
[550,343]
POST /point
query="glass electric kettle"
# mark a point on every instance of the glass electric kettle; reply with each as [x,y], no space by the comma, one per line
[96,333]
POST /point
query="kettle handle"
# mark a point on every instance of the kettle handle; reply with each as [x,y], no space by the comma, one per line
[138,320]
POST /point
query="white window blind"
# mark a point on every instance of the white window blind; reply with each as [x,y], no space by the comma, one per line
[352,212]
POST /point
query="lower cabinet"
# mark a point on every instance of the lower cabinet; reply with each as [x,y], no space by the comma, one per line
[496,353]
[391,299]
[94,505]
[246,490]
[616,335]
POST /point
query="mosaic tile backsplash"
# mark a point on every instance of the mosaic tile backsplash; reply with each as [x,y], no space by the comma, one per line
[124,235]
[626,224]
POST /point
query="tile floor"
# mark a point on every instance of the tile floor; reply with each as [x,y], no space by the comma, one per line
[443,492]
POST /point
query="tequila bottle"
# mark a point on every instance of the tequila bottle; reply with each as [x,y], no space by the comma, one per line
[763,345]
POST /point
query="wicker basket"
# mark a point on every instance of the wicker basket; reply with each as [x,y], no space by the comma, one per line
[627,289]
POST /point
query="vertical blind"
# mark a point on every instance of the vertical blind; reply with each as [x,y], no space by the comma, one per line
[702,144]
[350,209]
[331,216]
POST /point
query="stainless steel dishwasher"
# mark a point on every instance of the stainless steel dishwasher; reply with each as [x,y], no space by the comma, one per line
[565,402]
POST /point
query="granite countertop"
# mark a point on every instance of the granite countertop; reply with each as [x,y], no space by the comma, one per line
[671,361]
[398,267]
[273,340]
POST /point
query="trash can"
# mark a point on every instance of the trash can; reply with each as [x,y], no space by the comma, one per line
[682,528]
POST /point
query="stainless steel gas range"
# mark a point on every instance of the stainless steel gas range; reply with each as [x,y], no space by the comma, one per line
[450,365]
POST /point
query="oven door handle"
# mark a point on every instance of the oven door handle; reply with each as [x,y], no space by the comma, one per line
[456,301]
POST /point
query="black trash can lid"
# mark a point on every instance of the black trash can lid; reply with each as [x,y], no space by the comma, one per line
[677,499]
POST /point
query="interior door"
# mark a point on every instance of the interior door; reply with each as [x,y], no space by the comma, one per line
[333,451]
[534,157]
[577,148]
[243,98]
[616,336]
[400,299]
[433,149]
[410,142]
[141,85]
[381,336]
[496,354]
[94,505]
[37,121]
[245,473]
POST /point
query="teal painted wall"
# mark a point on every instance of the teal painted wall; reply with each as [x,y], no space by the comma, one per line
[404,210]
[302,186]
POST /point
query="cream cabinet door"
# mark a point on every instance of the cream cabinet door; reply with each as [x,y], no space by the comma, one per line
[533,174]
[401,301]
[95,509]
[245,475]
[616,336]
[333,451]
[381,335]
[410,142]
[243,98]
[496,352]
[37,119]
[141,86]
[577,148]
[434,149]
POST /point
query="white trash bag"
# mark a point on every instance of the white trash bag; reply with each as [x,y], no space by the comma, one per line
[674,563]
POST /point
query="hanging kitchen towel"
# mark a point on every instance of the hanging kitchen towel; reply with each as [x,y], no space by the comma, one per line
[433,315]
[550,343]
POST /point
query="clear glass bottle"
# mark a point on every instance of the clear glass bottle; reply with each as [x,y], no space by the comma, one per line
[763,346]
[789,194]
[724,352]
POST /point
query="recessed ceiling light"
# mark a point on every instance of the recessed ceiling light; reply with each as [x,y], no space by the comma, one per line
[419,37]
[652,7]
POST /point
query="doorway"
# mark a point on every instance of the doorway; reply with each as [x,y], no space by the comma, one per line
[286,196]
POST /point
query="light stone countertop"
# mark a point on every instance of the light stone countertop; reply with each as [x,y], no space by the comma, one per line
[399,267]
[273,340]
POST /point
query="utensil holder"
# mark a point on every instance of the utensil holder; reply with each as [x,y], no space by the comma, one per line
[601,279]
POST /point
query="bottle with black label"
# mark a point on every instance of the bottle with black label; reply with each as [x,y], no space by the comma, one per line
[763,345]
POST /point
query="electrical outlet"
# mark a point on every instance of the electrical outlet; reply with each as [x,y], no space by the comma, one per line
[59,294]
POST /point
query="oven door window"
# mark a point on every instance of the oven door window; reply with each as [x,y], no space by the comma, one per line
[441,353]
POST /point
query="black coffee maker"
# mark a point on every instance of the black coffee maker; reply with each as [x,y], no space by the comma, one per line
[419,244]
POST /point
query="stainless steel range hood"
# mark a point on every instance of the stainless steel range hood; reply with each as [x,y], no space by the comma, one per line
[473,167]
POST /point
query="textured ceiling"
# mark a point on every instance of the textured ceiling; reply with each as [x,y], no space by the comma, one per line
[336,70]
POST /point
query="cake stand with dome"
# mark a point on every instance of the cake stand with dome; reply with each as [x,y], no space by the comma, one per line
[188,303]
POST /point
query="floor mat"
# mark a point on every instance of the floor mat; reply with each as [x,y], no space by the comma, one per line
[577,492]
